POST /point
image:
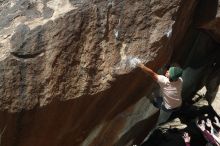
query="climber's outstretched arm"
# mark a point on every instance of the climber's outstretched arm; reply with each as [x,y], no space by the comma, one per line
[148,71]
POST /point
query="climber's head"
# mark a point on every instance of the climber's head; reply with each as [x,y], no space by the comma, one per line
[174,73]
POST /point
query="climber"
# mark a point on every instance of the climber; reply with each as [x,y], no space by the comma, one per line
[170,86]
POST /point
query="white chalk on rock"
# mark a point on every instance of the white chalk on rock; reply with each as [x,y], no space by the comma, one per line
[169,33]
[116,34]
[127,64]
[133,62]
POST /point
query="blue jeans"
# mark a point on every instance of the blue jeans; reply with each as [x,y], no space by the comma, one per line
[158,103]
[164,112]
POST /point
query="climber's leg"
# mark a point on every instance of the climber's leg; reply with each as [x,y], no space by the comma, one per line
[163,117]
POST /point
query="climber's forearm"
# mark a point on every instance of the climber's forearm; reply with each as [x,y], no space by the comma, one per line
[148,71]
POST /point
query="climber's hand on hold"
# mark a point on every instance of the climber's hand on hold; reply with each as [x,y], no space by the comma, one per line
[134,62]
[141,65]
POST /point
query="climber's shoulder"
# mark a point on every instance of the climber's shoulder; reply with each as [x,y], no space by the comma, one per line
[161,79]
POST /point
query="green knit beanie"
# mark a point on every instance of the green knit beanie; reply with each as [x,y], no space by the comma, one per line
[175,73]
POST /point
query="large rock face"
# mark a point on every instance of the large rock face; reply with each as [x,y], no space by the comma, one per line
[69,49]
[63,80]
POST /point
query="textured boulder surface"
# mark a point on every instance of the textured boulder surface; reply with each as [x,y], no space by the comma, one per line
[63,78]
[69,49]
